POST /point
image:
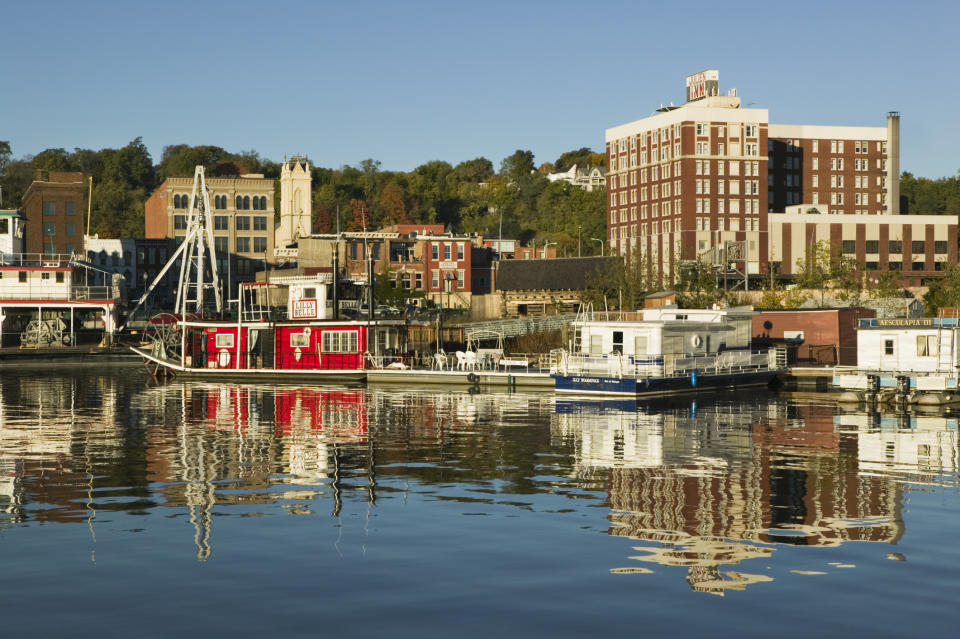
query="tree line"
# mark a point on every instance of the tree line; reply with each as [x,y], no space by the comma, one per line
[515,200]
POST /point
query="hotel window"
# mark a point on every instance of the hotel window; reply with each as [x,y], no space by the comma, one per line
[702,128]
[751,149]
[940,246]
[839,198]
[259,244]
[221,244]
[919,247]
[816,198]
[259,223]
[70,229]
[750,131]
[243,222]
[243,244]
[69,208]
[49,228]
[702,148]
[918,266]
[221,222]
[873,246]
[49,208]
[894,246]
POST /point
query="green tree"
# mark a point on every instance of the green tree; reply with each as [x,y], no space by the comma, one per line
[582,157]
[5,155]
[823,268]
[943,293]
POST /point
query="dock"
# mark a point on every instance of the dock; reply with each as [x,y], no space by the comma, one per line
[529,380]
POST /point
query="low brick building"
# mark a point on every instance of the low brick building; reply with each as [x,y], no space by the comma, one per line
[816,336]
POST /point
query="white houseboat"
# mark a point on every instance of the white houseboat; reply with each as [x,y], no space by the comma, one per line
[43,304]
[662,350]
[908,360]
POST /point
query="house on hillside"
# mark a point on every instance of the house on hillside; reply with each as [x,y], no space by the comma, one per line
[547,287]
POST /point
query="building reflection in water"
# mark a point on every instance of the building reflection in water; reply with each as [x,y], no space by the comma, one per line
[235,442]
[721,483]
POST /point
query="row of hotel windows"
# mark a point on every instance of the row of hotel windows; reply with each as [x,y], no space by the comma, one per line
[50,229]
[415,280]
[895,246]
[356,251]
[220,202]
[222,222]
[50,208]
[702,129]
[115,259]
[243,243]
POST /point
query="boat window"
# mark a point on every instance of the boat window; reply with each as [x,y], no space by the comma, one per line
[299,340]
[640,345]
[888,347]
[926,345]
[224,340]
[310,293]
[339,342]
[618,342]
[596,344]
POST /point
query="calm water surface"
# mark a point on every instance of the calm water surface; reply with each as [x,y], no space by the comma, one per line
[128,507]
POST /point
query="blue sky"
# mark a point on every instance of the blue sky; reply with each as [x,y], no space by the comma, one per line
[409,82]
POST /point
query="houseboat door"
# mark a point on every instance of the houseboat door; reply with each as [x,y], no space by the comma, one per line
[889,353]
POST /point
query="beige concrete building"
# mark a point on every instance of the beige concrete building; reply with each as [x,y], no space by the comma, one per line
[916,246]
[243,219]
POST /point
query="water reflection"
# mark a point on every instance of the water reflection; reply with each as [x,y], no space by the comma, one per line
[717,487]
[725,482]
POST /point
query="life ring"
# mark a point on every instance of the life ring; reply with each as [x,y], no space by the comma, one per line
[696,340]
[223,358]
[473,378]
[306,330]
[297,354]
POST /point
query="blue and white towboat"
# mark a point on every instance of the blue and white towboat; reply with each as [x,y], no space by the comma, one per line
[662,351]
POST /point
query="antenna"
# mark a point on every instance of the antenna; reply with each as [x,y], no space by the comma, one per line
[194,248]
[198,243]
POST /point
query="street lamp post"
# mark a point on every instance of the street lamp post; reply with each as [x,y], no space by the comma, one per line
[595,239]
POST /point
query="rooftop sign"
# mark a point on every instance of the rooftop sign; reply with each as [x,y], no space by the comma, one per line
[700,85]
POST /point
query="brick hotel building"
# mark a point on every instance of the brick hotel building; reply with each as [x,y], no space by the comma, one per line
[694,177]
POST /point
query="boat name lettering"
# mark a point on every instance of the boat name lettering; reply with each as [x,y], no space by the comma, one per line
[917,321]
[586,380]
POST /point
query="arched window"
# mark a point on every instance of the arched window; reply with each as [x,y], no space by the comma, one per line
[126,257]
[103,257]
[239,202]
[298,201]
[256,203]
[263,202]
[176,201]
[246,202]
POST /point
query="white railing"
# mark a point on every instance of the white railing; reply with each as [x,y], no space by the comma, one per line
[617,365]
